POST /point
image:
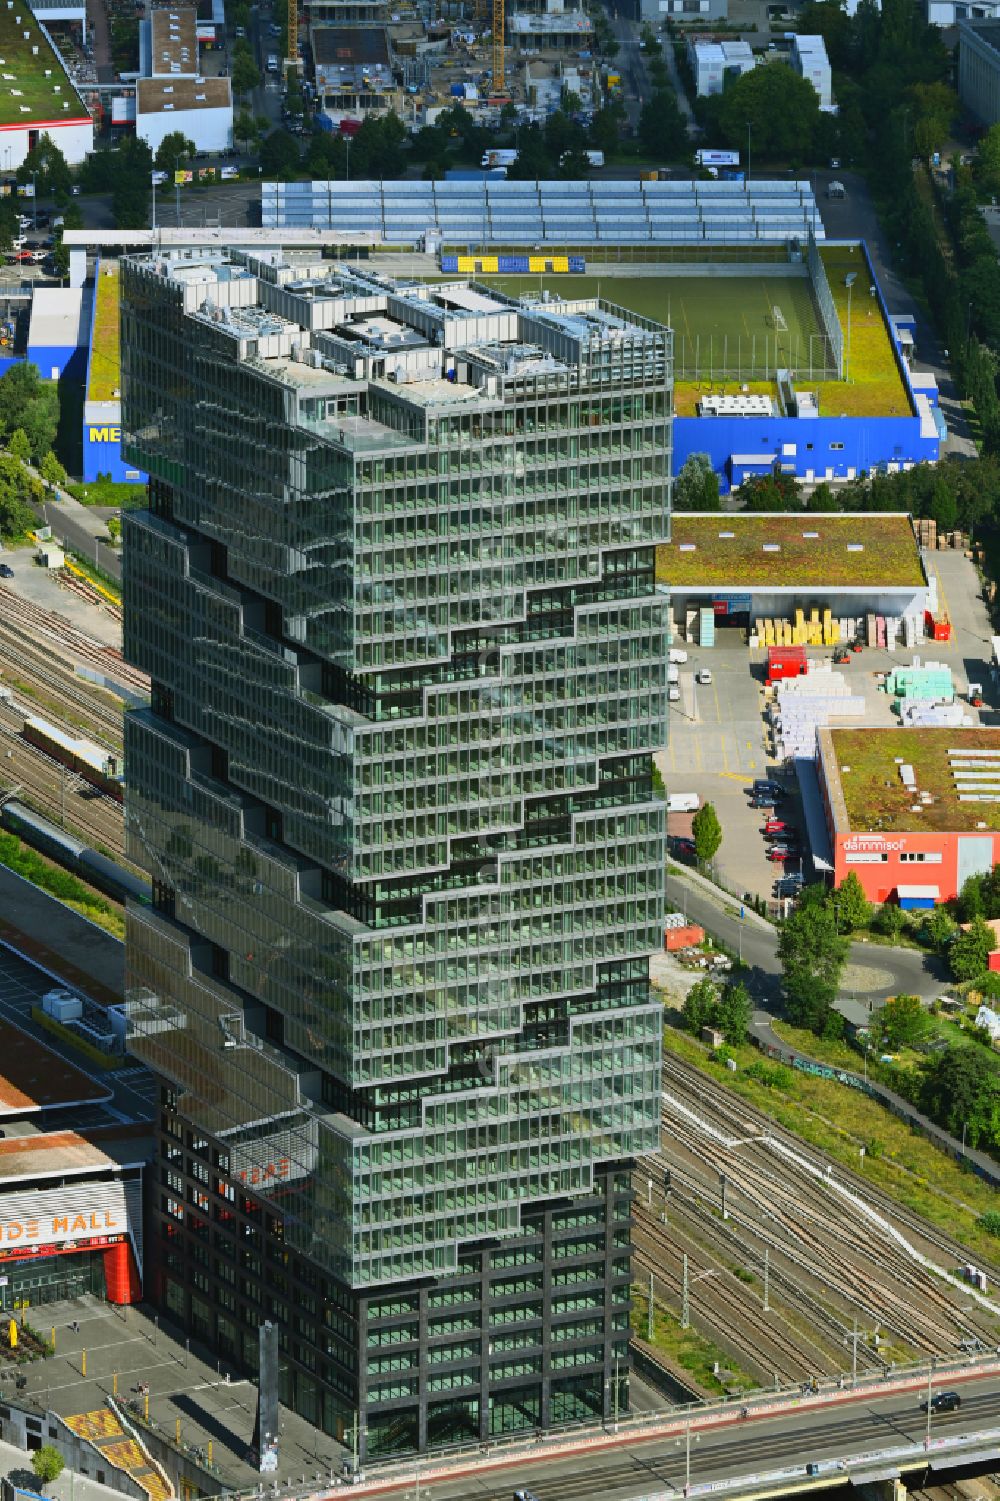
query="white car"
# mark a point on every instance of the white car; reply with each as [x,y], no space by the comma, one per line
[676,655]
[704,676]
[673,693]
[673,675]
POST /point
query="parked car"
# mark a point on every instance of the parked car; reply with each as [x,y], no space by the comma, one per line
[523,1495]
[24,256]
[677,654]
[764,784]
[943,1402]
[683,849]
[6,571]
[775,826]
[779,852]
[789,885]
[763,800]
[673,693]
[704,676]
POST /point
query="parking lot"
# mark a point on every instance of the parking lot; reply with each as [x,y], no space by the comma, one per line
[718,737]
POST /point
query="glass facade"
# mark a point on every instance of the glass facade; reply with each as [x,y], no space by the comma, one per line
[395,592]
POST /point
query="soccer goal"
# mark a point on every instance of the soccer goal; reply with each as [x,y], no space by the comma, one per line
[778,320]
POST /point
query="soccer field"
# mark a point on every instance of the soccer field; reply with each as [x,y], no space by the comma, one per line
[724,327]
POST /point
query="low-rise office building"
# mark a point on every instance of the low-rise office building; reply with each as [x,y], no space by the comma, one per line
[172,93]
[714,64]
[979,68]
[809,59]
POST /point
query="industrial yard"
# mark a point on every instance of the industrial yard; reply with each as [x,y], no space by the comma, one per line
[794,1264]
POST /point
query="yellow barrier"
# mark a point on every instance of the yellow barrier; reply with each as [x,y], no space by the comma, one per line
[82,574]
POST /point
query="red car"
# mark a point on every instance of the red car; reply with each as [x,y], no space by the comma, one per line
[23,255]
[775,826]
[781,852]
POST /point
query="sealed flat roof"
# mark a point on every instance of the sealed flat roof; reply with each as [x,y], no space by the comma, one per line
[873,550]
[958,768]
[164,95]
[33,1077]
[56,1153]
[174,40]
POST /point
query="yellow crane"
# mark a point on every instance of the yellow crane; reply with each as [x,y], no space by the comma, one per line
[499,22]
[292,60]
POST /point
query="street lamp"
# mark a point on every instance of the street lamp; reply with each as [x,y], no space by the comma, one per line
[177,190]
[748,151]
[34,200]
[347,169]
[849,281]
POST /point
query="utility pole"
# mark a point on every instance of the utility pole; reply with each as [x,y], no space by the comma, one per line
[649,1312]
[685,1310]
[722,1185]
[930,1394]
[767,1280]
[687,1458]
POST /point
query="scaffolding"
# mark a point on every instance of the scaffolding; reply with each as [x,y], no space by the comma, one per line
[499,23]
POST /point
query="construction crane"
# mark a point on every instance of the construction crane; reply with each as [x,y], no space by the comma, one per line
[499,22]
[292,60]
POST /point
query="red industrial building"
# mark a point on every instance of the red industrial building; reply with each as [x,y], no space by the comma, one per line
[912,812]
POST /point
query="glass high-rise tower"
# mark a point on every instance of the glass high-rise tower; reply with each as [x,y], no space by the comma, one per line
[395,592]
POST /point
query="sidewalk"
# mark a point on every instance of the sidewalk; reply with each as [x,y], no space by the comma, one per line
[724,900]
[15,1466]
[189,1387]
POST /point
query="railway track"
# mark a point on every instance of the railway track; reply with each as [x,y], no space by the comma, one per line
[96,818]
[66,690]
[42,624]
[826,1264]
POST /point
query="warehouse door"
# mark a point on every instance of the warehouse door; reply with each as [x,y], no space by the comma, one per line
[975,857]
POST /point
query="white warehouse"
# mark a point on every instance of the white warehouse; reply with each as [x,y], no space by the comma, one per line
[33,71]
[810,60]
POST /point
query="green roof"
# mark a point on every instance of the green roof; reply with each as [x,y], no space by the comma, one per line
[790,551]
[27,95]
[104,373]
[872,798]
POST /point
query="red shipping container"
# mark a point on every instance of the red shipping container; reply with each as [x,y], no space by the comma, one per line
[786,662]
[942,630]
[994,960]
[682,938]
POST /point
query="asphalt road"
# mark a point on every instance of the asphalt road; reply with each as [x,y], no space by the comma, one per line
[793,1439]
[873,972]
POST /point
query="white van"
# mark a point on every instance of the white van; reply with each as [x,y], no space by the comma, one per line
[683,802]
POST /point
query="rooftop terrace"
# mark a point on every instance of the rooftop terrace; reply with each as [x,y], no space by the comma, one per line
[867,793]
[796,551]
[34,87]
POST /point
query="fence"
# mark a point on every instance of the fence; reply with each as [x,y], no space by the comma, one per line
[825,305]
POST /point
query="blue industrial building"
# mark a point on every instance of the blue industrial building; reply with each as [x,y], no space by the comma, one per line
[799,441]
[102,409]
[57,332]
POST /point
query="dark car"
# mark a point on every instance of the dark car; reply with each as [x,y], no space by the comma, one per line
[6,571]
[763,784]
[943,1402]
[763,800]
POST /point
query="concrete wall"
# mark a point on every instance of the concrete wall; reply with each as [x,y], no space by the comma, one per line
[210,129]
[979,75]
[30,1427]
[75,137]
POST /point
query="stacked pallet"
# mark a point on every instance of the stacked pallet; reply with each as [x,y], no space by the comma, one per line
[959,540]
[802,705]
[820,629]
[926,532]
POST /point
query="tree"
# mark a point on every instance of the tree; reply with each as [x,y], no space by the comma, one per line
[245,74]
[961,1092]
[700,1005]
[18,445]
[17,488]
[939,930]
[129,169]
[780,107]
[662,127]
[47,165]
[28,402]
[51,470]
[988,161]
[735,1012]
[822,500]
[279,154]
[812,955]
[969,953]
[696,487]
[174,152]
[47,1463]
[889,920]
[852,907]
[706,831]
[245,129]
[774,491]
[902,1023]
[604,130]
